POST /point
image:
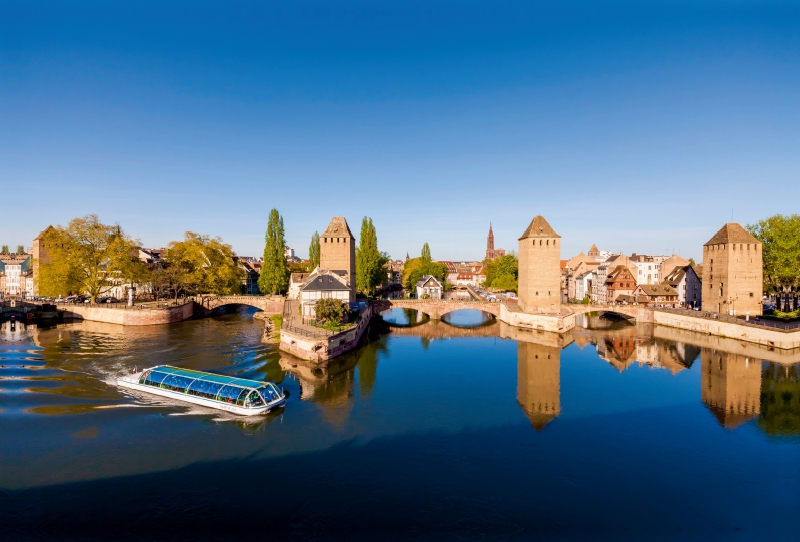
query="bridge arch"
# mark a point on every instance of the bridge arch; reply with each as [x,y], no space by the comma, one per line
[436,308]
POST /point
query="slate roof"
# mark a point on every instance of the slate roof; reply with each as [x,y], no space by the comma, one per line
[424,280]
[338,228]
[657,289]
[676,276]
[325,283]
[539,228]
[731,233]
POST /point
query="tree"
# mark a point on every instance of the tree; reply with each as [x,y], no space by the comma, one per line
[780,236]
[426,253]
[502,273]
[416,268]
[692,263]
[274,273]
[369,261]
[332,310]
[505,282]
[86,257]
[202,265]
[20,249]
[313,252]
[4,250]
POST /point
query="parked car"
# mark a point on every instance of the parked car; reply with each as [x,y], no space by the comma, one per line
[112,300]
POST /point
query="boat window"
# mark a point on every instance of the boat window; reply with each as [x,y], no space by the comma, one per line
[155,378]
[229,394]
[204,388]
[268,394]
[144,376]
[176,383]
[240,400]
[253,400]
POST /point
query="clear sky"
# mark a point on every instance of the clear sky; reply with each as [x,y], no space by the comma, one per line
[639,126]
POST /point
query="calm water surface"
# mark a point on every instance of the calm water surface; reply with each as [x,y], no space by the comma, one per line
[461,429]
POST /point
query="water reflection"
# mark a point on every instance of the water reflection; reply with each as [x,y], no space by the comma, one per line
[538,380]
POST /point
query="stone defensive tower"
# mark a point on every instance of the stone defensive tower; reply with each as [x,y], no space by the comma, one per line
[538,382]
[730,386]
[733,272]
[540,268]
[337,251]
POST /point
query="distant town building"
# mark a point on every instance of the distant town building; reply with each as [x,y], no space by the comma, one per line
[540,268]
[733,272]
[13,267]
[620,285]
[491,252]
[656,295]
[323,284]
[688,285]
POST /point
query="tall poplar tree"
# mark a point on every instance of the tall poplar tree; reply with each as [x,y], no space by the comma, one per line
[20,249]
[313,252]
[426,253]
[274,273]
[369,261]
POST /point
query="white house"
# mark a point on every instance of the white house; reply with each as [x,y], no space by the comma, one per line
[322,285]
[429,286]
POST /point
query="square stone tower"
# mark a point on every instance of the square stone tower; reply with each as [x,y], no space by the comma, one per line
[540,268]
[337,252]
[733,272]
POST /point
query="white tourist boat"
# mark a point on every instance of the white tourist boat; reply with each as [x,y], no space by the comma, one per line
[228,393]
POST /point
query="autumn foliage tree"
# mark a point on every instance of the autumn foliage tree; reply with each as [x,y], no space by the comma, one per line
[201,265]
[87,257]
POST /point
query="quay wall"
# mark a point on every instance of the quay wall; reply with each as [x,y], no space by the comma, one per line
[322,349]
[539,322]
[131,316]
[772,338]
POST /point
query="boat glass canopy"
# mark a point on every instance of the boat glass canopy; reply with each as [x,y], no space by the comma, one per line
[225,389]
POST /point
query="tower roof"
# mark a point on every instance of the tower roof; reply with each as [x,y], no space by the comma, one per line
[539,228]
[338,228]
[594,249]
[732,233]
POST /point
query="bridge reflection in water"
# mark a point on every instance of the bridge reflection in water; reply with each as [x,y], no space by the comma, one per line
[739,381]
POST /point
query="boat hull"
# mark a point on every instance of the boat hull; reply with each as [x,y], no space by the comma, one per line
[202,401]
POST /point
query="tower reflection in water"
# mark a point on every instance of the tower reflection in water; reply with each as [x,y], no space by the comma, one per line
[538,382]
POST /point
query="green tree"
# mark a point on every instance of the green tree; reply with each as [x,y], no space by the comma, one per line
[313,252]
[331,310]
[489,271]
[202,265]
[416,268]
[692,263]
[426,253]
[505,282]
[780,236]
[370,272]
[274,273]
[88,257]
[780,400]
[20,249]
[4,250]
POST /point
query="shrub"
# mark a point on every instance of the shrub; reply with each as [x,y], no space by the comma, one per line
[330,309]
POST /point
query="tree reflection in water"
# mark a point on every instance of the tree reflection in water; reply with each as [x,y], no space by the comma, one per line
[780,400]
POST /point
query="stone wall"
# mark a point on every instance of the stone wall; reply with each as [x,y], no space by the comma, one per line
[131,316]
[765,336]
[540,322]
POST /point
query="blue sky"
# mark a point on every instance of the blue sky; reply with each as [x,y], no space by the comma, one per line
[639,126]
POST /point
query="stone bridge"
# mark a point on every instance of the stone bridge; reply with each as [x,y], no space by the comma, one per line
[436,329]
[436,308]
[626,311]
[269,304]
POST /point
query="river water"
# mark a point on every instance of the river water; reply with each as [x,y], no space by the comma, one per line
[462,429]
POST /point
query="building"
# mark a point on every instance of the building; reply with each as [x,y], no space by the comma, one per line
[670,264]
[540,268]
[620,282]
[323,284]
[730,386]
[252,270]
[538,382]
[574,276]
[583,284]
[39,256]
[491,253]
[656,295]
[649,269]
[599,292]
[338,252]
[733,272]
[687,284]
[13,266]
[429,286]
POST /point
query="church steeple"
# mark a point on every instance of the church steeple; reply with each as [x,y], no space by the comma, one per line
[490,240]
